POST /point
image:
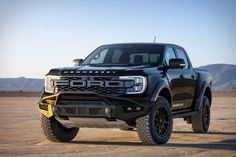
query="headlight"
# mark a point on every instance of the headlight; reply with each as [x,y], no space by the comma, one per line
[50,83]
[140,84]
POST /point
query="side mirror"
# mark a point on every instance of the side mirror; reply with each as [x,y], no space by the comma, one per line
[176,63]
[77,62]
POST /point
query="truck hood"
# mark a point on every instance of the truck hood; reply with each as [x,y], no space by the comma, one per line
[120,70]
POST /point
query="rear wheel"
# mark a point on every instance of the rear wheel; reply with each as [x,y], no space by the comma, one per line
[201,120]
[55,131]
[156,126]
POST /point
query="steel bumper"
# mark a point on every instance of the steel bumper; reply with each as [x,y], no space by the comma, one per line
[92,105]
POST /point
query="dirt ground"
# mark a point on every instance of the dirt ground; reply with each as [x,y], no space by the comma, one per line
[20,135]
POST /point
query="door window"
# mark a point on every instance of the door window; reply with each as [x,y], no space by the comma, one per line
[169,55]
[182,55]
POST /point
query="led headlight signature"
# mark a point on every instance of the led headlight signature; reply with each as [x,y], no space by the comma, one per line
[140,84]
[50,83]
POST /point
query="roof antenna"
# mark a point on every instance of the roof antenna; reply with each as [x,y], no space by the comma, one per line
[154,39]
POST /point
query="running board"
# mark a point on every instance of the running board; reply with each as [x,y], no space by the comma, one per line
[182,114]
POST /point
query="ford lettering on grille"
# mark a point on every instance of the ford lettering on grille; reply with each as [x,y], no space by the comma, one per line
[98,84]
[89,83]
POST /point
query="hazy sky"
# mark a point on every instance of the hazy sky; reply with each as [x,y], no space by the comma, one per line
[38,35]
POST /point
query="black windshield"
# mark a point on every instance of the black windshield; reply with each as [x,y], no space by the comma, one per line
[125,55]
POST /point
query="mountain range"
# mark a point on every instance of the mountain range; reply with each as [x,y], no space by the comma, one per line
[224,78]
[21,84]
[223,75]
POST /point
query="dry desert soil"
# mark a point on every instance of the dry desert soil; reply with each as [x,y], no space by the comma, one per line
[20,135]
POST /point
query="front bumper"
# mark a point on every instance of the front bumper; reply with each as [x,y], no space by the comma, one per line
[92,105]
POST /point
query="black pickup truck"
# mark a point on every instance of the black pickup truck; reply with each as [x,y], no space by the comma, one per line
[133,86]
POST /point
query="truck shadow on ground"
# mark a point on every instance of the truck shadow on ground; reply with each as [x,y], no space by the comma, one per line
[229,144]
[222,145]
[210,133]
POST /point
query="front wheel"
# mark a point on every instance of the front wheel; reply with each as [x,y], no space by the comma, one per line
[55,131]
[156,126]
[201,120]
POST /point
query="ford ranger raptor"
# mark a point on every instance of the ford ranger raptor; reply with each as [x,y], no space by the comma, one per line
[133,86]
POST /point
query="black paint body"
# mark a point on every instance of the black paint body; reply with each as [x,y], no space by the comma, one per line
[183,88]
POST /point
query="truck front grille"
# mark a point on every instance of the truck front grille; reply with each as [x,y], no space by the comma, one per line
[115,91]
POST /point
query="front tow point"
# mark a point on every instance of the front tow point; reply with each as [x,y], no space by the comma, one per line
[108,112]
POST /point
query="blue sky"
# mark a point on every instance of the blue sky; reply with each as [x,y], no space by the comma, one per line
[38,35]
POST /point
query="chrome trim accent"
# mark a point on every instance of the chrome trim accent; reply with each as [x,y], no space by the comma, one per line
[182,65]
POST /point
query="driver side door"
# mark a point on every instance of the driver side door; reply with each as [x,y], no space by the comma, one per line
[175,80]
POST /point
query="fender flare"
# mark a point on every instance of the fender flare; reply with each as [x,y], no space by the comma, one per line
[200,94]
[158,88]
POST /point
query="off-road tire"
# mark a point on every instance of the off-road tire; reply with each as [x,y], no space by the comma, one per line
[201,119]
[56,132]
[148,128]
